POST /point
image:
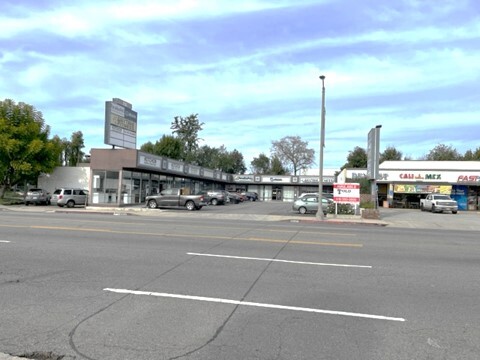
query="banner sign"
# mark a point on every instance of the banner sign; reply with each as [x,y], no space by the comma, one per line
[348,193]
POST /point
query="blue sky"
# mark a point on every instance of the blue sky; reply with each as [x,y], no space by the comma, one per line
[251,68]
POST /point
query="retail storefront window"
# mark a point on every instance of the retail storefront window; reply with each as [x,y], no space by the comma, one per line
[104,187]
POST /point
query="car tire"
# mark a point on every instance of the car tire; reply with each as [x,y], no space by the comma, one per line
[214,202]
[190,205]
[152,204]
[70,203]
[302,210]
[433,208]
[422,208]
[454,212]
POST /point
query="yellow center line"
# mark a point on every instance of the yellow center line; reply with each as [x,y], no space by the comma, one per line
[220,237]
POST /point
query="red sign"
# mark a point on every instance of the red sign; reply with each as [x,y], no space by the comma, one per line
[347,193]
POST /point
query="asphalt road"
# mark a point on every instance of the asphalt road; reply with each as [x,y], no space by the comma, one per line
[198,285]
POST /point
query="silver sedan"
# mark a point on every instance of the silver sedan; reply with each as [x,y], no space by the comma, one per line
[309,204]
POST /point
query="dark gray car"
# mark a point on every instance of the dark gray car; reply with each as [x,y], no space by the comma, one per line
[37,196]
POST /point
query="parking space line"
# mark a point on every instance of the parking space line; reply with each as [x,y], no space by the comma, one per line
[248,303]
[279,260]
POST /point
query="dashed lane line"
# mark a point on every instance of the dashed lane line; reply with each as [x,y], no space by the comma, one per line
[255,304]
[280,260]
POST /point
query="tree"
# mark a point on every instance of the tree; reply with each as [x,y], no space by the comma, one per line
[293,153]
[357,158]
[472,155]
[390,153]
[231,162]
[187,129]
[168,146]
[260,164]
[442,152]
[76,145]
[208,157]
[25,150]
[221,159]
[276,167]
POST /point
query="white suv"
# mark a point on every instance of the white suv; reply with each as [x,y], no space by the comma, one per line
[69,197]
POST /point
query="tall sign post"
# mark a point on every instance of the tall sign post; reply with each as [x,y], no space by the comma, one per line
[373,159]
[322,145]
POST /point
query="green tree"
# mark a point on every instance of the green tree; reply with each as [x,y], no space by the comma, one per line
[260,164]
[231,161]
[293,153]
[442,152]
[208,157]
[168,146]
[390,154]
[76,145]
[472,155]
[276,167]
[357,158]
[187,129]
[25,150]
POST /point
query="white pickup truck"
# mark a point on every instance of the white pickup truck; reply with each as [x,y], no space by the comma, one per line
[438,203]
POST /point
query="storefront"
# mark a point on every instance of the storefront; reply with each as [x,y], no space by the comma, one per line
[280,187]
[126,176]
[402,184]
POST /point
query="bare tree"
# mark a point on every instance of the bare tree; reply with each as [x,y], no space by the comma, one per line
[293,153]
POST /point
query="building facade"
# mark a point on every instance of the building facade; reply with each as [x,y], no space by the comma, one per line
[403,183]
[126,176]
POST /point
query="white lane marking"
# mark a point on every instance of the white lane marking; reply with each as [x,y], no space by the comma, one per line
[247,303]
[279,260]
[4,241]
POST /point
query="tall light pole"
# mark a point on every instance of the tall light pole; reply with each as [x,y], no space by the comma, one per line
[322,145]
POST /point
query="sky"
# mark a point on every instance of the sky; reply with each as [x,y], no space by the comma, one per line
[250,70]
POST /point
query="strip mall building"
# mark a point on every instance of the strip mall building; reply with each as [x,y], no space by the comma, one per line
[126,176]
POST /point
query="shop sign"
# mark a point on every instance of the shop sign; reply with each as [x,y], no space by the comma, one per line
[422,189]
[175,167]
[243,178]
[420,176]
[468,178]
[149,161]
[348,193]
[276,179]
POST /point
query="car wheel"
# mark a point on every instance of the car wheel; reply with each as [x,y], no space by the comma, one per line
[433,208]
[26,204]
[302,210]
[214,202]
[190,205]
[152,204]
[70,203]
[454,212]
[422,208]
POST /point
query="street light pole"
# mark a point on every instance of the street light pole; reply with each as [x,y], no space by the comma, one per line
[322,145]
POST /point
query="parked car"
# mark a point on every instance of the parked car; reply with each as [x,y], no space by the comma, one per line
[37,196]
[69,197]
[234,198]
[251,196]
[309,203]
[175,198]
[217,197]
[325,195]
